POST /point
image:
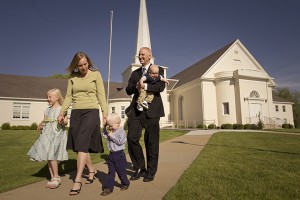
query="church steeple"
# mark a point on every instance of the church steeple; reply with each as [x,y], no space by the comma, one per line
[143,34]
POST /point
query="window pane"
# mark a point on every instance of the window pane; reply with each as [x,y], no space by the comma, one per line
[226,108]
[25,111]
[17,112]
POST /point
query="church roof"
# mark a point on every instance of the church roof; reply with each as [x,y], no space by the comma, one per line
[14,86]
[280,99]
[199,68]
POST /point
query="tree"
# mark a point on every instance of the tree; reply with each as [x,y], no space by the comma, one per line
[293,96]
[61,76]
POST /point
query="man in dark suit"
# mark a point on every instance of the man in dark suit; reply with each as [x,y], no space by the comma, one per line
[147,119]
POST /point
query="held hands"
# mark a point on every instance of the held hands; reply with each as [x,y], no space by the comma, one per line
[40,126]
[61,119]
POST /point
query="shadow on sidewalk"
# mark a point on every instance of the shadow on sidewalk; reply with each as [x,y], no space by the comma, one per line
[181,142]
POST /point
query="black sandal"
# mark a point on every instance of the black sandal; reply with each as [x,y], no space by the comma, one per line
[90,181]
[76,192]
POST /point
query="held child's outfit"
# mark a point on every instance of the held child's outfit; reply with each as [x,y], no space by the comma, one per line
[144,96]
[51,144]
[116,159]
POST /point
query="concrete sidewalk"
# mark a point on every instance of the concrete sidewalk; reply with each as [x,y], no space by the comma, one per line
[175,157]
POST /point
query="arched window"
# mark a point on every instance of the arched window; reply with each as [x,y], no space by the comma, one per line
[254,94]
[180,108]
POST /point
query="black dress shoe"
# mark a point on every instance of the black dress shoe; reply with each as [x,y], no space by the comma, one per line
[148,178]
[138,174]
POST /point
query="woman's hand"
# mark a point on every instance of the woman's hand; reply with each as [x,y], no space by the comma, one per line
[104,120]
[60,118]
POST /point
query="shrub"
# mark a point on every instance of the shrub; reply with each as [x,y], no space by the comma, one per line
[260,124]
[254,127]
[287,126]
[211,126]
[226,126]
[238,126]
[21,127]
[247,126]
[201,126]
[6,126]
[14,127]
[33,126]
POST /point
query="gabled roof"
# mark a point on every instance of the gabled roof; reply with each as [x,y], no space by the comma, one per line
[14,86]
[199,68]
[280,99]
[29,86]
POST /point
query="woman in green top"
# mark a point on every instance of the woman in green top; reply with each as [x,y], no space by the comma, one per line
[86,94]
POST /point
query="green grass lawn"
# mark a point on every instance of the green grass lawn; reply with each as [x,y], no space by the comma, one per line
[17,170]
[293,130]
[243,166]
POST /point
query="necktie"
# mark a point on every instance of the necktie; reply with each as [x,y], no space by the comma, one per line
[144,70]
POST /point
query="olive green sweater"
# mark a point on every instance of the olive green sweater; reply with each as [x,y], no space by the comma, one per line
[86,93]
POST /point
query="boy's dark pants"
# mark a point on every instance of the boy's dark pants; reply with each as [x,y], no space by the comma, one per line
[116,163]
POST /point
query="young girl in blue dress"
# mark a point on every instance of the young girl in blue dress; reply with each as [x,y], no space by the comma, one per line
[51,144]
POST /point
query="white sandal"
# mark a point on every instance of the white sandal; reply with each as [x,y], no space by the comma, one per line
[54,183]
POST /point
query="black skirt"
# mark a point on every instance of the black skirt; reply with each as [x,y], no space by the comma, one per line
[84,133]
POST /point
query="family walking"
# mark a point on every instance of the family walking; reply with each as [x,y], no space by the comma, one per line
[86,98]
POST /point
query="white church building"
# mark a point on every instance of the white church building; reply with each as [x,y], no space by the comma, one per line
[228,86]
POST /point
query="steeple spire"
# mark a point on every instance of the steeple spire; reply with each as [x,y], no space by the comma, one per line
[143,34]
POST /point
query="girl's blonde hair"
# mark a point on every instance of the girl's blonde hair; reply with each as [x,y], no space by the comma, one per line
[58,93]
[113,117]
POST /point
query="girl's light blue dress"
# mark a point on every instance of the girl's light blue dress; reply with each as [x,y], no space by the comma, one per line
[51,144]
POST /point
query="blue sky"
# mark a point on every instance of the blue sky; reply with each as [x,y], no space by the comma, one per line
[40,37]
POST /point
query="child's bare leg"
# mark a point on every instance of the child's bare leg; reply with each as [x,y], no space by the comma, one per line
[54,168]
[50,169]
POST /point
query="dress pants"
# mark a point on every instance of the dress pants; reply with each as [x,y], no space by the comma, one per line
[151,139]
[116,163]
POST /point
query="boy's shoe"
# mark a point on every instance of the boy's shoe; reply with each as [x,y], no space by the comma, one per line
[106,192]
[139,107]
[145,105]
[124,187]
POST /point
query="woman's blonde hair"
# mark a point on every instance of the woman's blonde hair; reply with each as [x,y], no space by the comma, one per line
[74,63]
[58,93]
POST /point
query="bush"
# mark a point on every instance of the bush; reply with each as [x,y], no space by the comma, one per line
[33,126]
[238,126]
[260,124]
[201,126]
[211,126]
[254,127]
[226,126]
[247,126]
[14,127]
[21,127]
[287,126]
[6,126]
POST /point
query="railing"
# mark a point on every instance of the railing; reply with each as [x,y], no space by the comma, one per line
[268,122]
[186,123]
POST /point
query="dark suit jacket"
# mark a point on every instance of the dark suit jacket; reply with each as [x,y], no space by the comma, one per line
[156,108]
